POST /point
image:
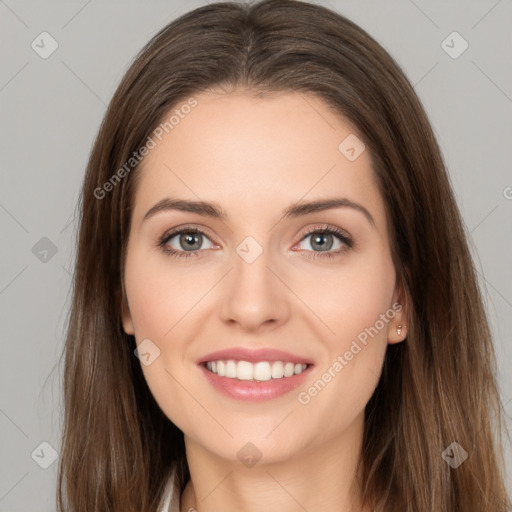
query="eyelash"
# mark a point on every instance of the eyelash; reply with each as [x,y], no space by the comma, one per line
[341,235]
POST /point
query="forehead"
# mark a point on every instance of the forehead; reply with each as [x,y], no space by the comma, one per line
[243,152]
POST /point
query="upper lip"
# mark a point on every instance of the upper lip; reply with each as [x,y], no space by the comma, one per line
[253,355]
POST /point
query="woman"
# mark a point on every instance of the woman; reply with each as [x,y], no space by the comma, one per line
[274,303]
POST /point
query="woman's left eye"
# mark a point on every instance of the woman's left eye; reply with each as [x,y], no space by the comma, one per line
[323,238]
[191,239]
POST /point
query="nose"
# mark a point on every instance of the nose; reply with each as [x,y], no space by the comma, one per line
[254,297]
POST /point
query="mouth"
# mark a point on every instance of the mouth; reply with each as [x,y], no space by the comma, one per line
[261,371]
[254,374]
[261,381]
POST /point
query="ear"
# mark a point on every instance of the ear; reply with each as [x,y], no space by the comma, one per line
[126,317]
[399,324]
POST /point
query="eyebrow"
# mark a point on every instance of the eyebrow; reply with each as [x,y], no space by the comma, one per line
[215,211]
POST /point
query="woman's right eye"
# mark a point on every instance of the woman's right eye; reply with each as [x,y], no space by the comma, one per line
[191,239]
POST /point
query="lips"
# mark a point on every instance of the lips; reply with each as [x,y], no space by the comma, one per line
[254,391]
[254,355]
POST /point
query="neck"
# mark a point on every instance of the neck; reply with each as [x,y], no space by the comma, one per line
[321,478]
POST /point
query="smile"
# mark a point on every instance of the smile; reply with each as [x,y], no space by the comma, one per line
[260,371]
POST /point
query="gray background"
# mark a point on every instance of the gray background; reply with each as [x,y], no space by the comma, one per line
[52,109]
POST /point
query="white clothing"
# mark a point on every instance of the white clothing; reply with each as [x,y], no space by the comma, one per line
[171,499]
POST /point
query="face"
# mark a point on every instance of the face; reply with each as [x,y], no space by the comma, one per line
[319,284]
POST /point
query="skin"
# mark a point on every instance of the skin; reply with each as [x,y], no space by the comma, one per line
[254,157]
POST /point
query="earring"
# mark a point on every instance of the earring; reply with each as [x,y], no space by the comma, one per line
[399,329]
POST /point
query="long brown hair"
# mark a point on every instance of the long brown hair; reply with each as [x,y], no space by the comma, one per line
[437,387]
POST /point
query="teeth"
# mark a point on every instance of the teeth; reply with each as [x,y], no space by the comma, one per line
[261,371]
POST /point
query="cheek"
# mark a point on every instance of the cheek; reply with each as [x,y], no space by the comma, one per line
[354,306]
[159,297]
[345,300]
[159,302]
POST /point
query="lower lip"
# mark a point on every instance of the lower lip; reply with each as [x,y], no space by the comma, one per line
[253,391]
